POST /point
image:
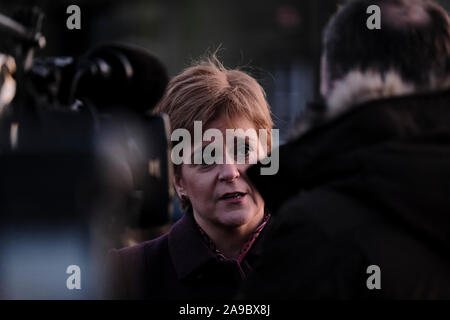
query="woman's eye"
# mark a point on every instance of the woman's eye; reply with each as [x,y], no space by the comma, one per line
[205,166]
[244,149]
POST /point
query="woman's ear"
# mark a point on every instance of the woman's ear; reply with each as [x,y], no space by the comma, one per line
[179,185]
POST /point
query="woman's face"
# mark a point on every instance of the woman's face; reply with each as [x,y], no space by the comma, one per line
[221,194]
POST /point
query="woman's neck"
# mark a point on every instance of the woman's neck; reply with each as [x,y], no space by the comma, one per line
[229,241]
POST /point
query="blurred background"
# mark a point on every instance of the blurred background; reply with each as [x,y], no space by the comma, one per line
[278,42]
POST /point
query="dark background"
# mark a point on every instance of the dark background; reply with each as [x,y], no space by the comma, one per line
[278,42]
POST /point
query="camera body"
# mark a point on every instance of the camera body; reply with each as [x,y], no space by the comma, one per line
[81,157]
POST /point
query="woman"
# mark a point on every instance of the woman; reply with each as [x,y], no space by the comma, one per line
[211,249]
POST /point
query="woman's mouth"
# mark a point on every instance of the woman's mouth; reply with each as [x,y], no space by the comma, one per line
[233,197]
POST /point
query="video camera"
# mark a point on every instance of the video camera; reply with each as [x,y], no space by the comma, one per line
[81,155]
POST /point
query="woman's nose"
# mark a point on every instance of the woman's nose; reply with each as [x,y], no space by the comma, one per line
[228,172]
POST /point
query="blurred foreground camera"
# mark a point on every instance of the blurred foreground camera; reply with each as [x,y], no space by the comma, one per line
[81,157]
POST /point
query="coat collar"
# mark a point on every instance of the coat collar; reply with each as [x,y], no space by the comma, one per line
[189,251]
[187,247]
[358,87]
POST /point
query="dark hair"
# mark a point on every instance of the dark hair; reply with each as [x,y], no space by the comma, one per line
[418,51]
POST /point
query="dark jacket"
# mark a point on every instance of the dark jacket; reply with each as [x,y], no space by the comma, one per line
[370,187]
[178,265]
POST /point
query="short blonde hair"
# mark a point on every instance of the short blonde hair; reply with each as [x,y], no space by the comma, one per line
[208,90]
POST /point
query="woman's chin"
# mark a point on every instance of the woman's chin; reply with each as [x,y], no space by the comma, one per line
[235,219]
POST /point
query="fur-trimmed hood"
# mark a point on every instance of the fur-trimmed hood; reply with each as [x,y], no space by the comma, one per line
[359,87]
[354,91]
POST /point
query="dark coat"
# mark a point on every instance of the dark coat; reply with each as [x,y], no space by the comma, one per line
[178,265]
[371,187]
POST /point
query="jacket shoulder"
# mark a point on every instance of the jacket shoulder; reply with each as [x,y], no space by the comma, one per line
[326,239]
[137,252]
[311,253]
[334,212]
[130,266]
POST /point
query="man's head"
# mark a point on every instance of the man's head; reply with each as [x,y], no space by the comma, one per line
[413,43]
